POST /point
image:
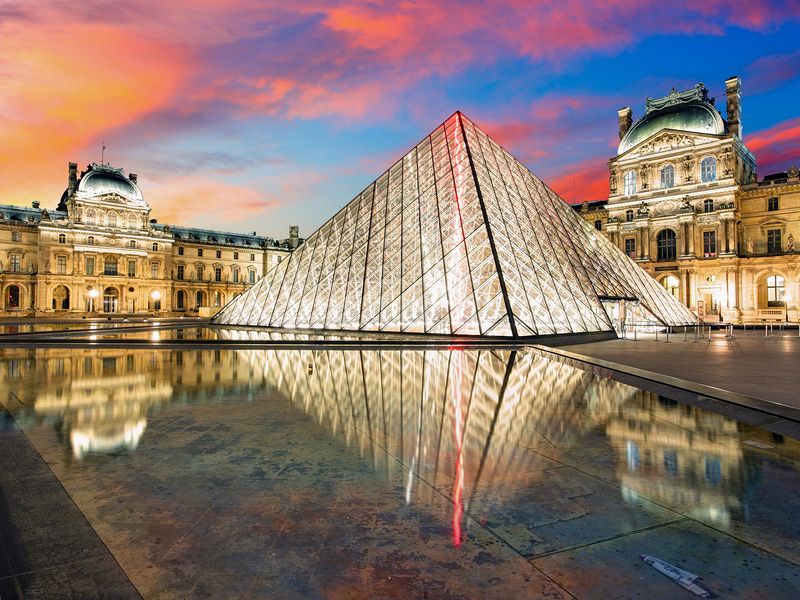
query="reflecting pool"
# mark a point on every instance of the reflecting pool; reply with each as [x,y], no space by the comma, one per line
[399,473]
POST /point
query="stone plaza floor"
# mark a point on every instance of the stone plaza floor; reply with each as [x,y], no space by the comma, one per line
[318,473]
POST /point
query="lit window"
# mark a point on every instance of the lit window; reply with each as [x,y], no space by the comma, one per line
[110,266]
[630,183]
[16,236]
[12,296]
[666,243]
[667,177]
[773,241]
[598,224]
[672,285]
[62,239]
[217,299]
[708,169]
[772,203]
[709,243]
[61,264]
[708,205]
[629,215]
[776,290]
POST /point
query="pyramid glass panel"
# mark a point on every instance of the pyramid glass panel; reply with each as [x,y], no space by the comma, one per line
[456,238]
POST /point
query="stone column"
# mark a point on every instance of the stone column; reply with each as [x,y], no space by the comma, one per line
[646,242]
[690,229]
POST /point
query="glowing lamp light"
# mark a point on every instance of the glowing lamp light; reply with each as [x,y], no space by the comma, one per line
[93,293]
[155,295]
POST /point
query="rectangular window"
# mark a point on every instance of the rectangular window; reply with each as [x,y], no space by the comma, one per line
[16,263]
[61,262]
[235,256]
[217,274]
[252,276]
[629,216]
[200,272]
[630,247]
[773,241]
[90,265]
[199,252]
[180,250]
[131,268]
[598,224]
[772,203]
[709,243]
[180,271]
[110,266]
[235,275]
[16,236]
[154,270]
[252,257]
[219,253]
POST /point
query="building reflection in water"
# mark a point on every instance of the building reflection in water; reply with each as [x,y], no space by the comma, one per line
[461,420]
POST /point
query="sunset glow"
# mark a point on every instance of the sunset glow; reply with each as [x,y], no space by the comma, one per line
[254,115]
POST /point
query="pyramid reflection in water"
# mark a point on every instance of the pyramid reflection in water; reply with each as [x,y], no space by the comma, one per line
[456,238]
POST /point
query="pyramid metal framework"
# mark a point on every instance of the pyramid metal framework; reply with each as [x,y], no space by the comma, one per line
[456,238]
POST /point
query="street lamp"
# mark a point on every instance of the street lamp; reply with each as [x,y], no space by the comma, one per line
[155,295]
[93,293]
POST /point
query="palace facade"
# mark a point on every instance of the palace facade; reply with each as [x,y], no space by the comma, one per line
[686,204]
[100,252]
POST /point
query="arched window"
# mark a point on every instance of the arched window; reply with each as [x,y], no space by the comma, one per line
[62,239]
[708,205]
[217,298]
[155,247]
[90,240]
[12,296]
[180,300]
[666,243]
[90,218]
[708,169]
[672,285]
[629,215]
[776,291]
[200,298]
[629,183]
[132,244]
[667,177]
[111,219]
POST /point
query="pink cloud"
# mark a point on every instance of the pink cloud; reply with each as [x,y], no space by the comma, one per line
[776,148]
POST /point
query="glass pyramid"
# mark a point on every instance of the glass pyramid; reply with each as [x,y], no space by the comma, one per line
[456,238]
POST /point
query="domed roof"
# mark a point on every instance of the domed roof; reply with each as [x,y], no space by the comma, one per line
[685,111]
[102,179]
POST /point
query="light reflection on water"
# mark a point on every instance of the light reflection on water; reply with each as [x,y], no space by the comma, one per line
[464,421]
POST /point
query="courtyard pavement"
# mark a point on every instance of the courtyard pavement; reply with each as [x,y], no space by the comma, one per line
[767,368]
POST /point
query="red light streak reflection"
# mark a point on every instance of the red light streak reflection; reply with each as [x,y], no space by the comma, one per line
[458,485]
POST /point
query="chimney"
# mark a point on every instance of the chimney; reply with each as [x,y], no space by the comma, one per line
[133,177]
[625,120]
[72,180]
[294,232]
[733,96]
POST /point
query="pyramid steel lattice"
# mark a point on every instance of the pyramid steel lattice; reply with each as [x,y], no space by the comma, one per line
[456,238]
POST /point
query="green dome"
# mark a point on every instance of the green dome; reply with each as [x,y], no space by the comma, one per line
[697,117]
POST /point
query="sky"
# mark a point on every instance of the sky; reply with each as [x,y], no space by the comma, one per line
[253,115]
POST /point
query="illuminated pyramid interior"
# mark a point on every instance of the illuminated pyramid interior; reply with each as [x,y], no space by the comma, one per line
[456,238]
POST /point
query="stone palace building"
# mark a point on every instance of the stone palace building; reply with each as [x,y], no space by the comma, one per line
[686,204]
[100,252]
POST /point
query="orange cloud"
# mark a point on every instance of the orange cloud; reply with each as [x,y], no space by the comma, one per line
[66,85]
[583,181]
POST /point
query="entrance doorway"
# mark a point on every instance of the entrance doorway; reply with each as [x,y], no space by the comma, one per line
[110,300]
